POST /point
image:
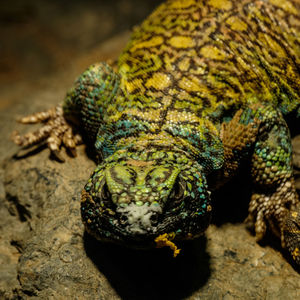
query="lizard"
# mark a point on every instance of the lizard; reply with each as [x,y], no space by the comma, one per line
[201,88]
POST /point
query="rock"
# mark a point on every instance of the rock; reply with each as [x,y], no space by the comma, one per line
[58,259]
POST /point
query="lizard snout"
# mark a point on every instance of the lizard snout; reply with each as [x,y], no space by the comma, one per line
[139,219]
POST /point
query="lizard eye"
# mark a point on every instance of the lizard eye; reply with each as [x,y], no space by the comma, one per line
[176,196]
[178,190]
[105,194]
[105,198]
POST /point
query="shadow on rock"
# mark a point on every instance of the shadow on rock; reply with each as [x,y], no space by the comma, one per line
[274,242]
[153,274]
[29,151]
[231,201]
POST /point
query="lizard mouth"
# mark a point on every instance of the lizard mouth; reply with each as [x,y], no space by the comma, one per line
[133,225]
[139,227]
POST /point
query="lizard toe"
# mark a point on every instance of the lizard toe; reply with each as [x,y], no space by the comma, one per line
[55,132]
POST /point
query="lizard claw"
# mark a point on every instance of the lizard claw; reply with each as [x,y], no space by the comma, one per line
[55,132]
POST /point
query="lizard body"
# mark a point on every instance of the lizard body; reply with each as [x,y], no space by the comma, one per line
[201,87]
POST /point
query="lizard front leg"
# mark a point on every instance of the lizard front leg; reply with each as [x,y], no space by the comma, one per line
[274,200]
[82,107]
[260,132]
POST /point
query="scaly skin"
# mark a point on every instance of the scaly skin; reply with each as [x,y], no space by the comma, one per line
[201,87]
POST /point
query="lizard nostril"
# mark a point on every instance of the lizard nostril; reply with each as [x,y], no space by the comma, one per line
[123,219]
[154,219]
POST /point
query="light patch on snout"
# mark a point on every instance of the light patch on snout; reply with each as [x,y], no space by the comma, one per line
[139,217]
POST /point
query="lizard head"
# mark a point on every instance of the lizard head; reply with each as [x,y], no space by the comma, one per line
[133,201]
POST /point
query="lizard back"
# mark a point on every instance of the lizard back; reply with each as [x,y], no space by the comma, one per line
[190,58]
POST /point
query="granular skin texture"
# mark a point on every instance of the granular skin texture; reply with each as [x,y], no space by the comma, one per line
[201,88]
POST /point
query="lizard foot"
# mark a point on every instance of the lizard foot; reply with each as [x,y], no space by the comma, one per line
[272,208]
[55,131]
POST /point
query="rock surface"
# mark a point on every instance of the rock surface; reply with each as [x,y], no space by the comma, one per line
[45,253]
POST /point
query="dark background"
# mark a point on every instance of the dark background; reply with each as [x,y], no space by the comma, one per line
[40,37]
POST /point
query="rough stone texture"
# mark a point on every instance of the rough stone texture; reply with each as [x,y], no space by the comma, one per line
[45,253]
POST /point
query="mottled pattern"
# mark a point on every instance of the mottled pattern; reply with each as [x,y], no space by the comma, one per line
[201,87]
